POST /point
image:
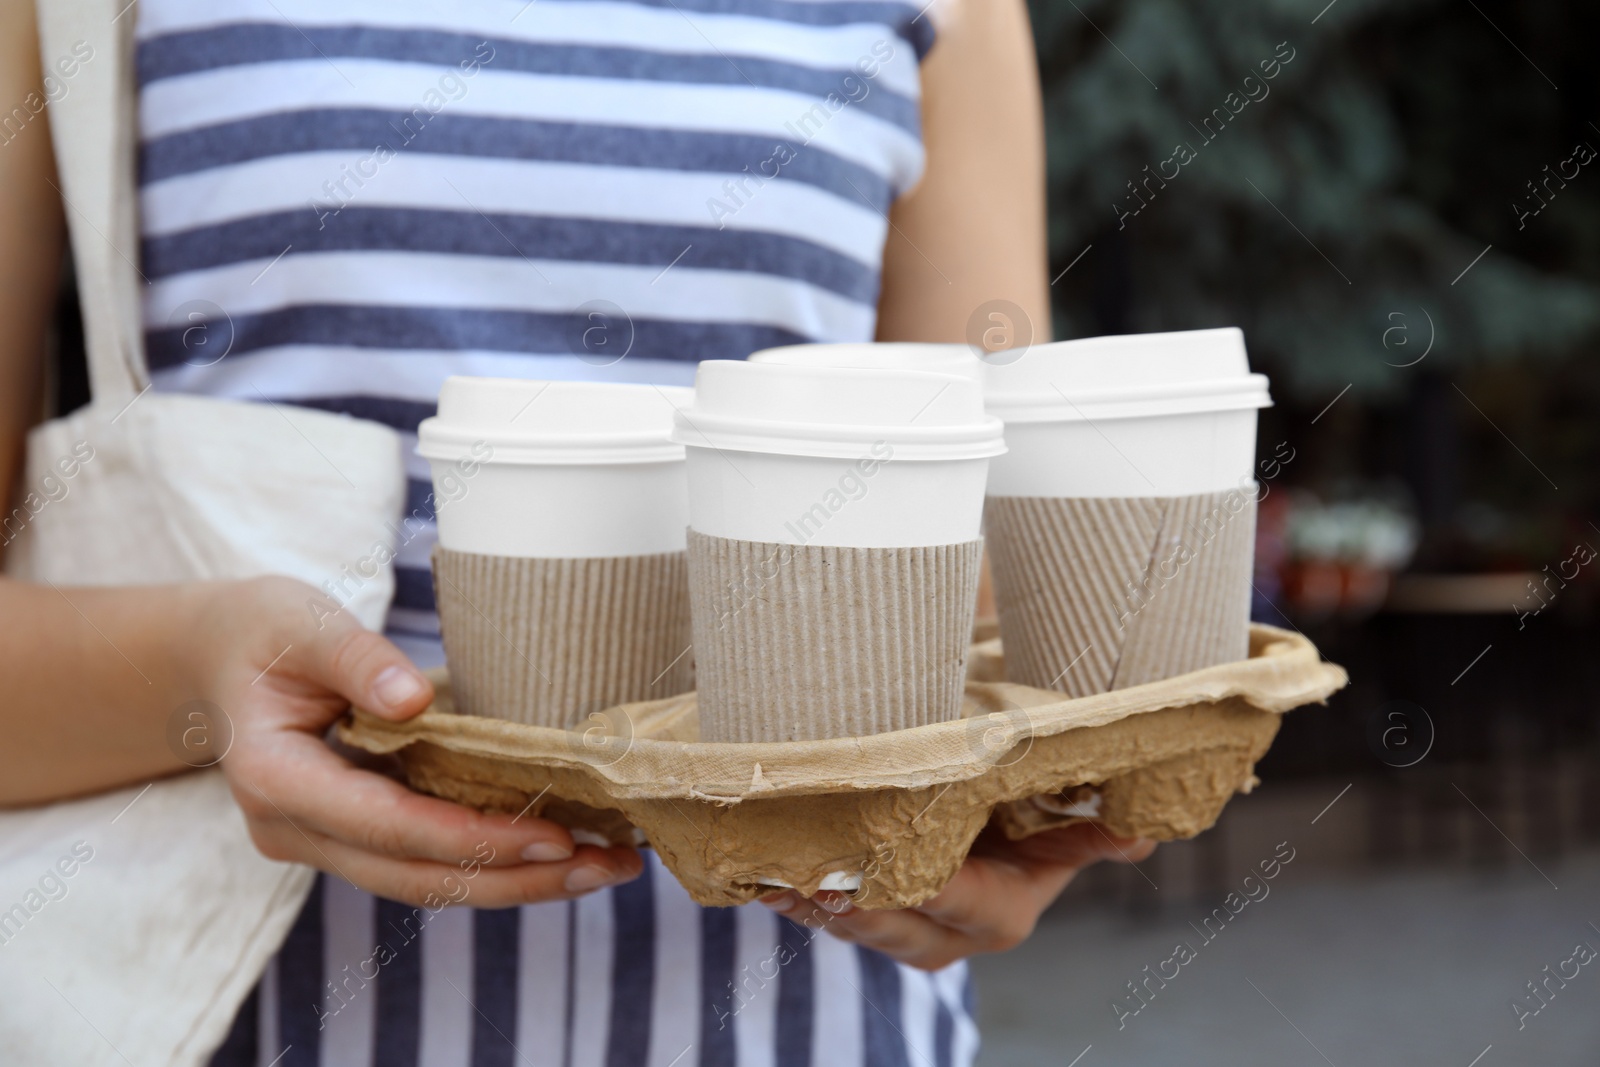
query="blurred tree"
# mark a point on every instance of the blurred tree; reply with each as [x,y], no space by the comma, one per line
[1322,175]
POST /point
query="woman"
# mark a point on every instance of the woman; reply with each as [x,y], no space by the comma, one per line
[348,202]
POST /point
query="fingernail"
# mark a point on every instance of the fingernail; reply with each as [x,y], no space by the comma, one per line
[834,903]
[779,902]
[547,852]
[396,686]
[586,878]
[1124,849]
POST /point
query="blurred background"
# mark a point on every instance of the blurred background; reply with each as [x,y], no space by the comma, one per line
[1400,205]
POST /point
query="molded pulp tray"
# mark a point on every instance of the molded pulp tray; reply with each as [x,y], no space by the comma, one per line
[889,817]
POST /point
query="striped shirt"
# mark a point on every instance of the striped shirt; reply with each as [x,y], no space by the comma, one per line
[637,976]
[355,208]
[344,203]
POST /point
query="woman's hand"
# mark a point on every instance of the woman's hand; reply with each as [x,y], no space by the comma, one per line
[991,905]
[282,677]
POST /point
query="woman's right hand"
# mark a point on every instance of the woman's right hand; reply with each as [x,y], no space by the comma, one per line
[283,677]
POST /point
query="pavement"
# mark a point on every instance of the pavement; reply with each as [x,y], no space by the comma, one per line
[1312,967]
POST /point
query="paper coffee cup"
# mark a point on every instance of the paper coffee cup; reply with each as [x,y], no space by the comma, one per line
[560,573]
[898,355]
[834,545]
[1158,414]
[1122,519]
[560,470]
[843,456]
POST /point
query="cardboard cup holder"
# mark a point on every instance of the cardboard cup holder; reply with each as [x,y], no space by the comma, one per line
[888,817]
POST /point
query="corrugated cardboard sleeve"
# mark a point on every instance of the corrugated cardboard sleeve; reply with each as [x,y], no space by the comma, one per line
[803,642]
[1103,593]
[896,812]
[548,642]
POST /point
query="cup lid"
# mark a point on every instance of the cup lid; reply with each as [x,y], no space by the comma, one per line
[529,421]
[1127,376]
[837,412]
[894,355]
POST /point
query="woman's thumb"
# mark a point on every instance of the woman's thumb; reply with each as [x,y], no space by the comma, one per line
[370,672]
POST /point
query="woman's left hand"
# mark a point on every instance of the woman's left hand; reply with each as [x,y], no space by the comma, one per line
[991,905]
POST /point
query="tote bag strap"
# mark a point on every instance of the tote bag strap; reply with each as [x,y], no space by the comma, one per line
[94,126]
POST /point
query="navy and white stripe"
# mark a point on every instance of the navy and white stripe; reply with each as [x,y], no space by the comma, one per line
[609,980]
[356,200]
[344,203]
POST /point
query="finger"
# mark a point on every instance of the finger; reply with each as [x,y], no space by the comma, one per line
[1120,849]
[814,914]
[996,903]
[905,936]
[1131,849]
[1078,845]
[424,883]
[364,668]
[294,776]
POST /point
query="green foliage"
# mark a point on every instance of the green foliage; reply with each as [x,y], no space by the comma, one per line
[1343,198]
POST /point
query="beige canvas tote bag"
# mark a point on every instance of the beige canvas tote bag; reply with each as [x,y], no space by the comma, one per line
[143,952]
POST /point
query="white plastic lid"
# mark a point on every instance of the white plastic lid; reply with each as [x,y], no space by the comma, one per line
[527,421]
[1129,376]
[837,412]
[899,355]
